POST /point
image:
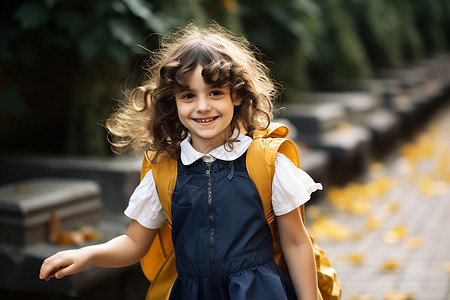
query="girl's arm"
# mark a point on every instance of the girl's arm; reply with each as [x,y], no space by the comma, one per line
[121,251]
[298,253]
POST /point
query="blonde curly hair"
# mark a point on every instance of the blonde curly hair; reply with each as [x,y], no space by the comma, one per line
[148,118]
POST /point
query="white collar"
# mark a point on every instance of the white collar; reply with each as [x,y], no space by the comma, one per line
[190,155]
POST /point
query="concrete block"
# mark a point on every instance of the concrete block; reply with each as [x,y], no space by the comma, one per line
[117,177]
[26,207]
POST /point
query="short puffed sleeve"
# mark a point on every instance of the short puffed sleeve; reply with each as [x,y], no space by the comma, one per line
[291,186]
[144,205]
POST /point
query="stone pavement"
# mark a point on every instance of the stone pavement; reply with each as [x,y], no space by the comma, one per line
[388,233]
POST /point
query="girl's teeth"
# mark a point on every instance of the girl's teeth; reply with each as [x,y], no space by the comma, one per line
[205,120]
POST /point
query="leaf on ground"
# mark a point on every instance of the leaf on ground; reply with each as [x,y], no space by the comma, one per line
[395,234]
[329,229]
[447,267]
[362,297]
[390,265]
[414,242]
[394,295]
[313,212]
[394,207]
[356,258]
[67,238]
[373,223]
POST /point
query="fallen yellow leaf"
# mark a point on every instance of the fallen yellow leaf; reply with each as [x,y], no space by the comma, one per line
[395,234]
[373,223]
[313,212]
[394,295]
[394,207]
[356,258]
[390,265]
[414,242]
[75,237]
[362,297]
[447,267]
[327,228]
[360,207]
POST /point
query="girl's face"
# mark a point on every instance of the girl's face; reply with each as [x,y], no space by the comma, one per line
[206,111]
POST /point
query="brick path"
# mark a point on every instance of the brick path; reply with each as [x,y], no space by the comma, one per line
[388,234]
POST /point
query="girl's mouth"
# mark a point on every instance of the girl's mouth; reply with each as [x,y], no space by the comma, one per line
[205,120]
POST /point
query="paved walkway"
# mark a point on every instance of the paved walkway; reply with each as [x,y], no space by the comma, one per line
[388,234]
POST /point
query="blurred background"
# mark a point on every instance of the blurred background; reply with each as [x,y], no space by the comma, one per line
[366,91]
[63,64]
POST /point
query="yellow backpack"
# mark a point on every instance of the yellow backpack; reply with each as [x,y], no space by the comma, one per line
[158,264]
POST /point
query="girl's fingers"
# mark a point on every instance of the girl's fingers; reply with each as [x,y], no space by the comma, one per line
[62,264]
[48,277]
[69,270]
[51,266]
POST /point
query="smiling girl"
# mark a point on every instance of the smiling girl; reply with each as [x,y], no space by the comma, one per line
[205,96]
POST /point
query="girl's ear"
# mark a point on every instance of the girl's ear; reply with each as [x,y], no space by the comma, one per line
[237,102]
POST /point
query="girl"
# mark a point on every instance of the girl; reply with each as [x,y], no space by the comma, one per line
[205,96]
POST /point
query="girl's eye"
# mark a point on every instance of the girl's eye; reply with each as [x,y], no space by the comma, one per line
[187,96]
[216,93]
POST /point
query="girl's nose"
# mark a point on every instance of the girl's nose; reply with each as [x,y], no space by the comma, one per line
[203,104]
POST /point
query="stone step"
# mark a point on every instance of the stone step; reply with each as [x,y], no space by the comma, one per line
[26,208]
[117,178]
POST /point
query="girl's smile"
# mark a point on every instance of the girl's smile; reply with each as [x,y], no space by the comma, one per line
[206,111]
[206,120]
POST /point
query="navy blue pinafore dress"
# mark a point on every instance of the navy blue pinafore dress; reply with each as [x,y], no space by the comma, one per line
[223,246]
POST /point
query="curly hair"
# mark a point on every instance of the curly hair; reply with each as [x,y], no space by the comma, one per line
[148,119]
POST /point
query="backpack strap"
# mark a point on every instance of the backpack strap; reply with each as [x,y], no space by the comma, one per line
[265,146]
[158,264]
[165,176]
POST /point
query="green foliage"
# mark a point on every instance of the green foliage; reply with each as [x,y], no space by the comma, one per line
[79,53]
[61,62]
[379,29]
[411,43]
[429,17]
[340,59]
[284,31]
[445,6]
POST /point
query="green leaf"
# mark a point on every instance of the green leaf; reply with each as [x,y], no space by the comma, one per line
[31,15]
[123,32]
[139,8]
[119,8]
[142,10]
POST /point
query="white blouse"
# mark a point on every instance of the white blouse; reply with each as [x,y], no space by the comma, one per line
[291,186]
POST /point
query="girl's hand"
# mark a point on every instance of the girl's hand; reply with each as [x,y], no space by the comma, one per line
[64,263]
[121,251]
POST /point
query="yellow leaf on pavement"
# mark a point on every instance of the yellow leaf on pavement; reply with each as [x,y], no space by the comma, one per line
[373,223]
[447,267]
[356,258]
[313,212]
[414,242]
[394,207]
[362,297]
[395,234]
[394,295]
[390,265]
[327,228]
